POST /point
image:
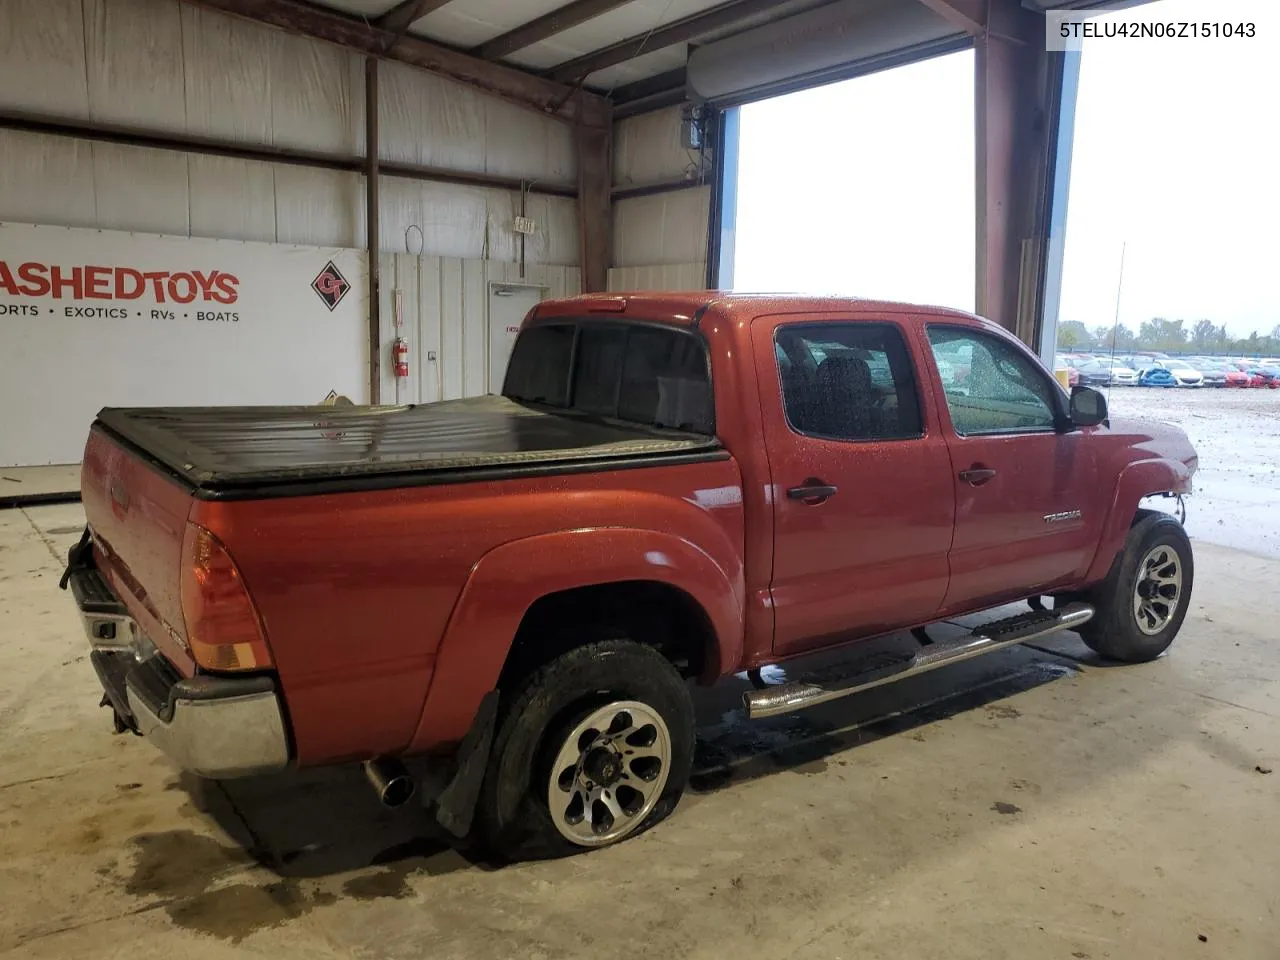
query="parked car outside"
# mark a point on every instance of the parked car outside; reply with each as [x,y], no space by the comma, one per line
[1252,379]
[1185,374]
[1157,377]
[1121,373]
[1070,362]
[1094,373]
[1214,371]
[1235,377]
[1270,375]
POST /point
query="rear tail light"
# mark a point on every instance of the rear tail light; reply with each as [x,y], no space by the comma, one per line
[223,629]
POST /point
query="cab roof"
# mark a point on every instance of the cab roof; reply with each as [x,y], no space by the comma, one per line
[684,308]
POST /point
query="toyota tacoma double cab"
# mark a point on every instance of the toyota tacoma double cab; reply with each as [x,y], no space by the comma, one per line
[671,487]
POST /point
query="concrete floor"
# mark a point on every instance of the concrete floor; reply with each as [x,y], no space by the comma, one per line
[1028,804]
[22,483]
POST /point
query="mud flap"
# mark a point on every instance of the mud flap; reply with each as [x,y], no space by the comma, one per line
[78,558]
[456,805]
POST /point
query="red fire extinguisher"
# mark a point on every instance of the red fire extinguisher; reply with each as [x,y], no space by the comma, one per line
[400,352]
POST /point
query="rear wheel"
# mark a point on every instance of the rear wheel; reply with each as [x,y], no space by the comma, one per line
[596,747]
[1142,603]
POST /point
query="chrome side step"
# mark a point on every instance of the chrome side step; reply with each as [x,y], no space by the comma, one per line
[798,694]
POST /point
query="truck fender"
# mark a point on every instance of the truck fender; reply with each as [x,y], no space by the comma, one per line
[1137,480]
[507,580]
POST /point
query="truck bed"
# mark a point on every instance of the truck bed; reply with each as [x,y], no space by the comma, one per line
[261,451]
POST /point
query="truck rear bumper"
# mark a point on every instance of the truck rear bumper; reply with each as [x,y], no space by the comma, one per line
[218,727]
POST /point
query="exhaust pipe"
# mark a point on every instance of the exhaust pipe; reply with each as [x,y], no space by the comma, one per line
[390,780]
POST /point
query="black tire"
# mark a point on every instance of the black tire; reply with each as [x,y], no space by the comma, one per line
[1115,632]
[513,821]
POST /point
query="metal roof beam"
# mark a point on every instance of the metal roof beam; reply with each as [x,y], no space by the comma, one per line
[678,31]
[967,15]
[651,93]
[557,21]
[399,18]
[537,93]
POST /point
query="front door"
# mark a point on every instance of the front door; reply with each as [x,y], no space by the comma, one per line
[862,495]
[509,304]
[1020,482]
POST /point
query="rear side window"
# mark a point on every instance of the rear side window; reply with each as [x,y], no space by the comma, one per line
[539,366]
[848,381]
[627,371]
[664,381]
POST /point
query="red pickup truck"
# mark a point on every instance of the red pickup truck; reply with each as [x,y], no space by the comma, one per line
[671,487]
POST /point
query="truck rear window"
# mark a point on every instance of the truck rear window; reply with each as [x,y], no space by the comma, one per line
[626,371]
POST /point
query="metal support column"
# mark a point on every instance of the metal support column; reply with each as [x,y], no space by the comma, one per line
[371,224]
[1015,122]
[1069,85]
[595,212]
[722,230]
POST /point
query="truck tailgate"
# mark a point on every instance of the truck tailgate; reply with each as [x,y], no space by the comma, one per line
[138,515]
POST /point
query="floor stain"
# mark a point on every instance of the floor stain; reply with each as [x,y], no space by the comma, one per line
[1000,711]
[420,856]
[181,866]
[1008,809]
[233,913]
[390,882]
[179,863]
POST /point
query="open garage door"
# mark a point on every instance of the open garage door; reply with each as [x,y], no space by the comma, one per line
[833,42]
[859,188]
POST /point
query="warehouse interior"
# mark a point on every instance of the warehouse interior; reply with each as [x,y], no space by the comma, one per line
[391,186]
[250,123]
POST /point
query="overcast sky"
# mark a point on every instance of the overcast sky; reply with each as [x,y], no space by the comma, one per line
[866,187]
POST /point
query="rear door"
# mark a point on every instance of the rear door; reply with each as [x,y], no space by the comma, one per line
[861,482]
[1021,484]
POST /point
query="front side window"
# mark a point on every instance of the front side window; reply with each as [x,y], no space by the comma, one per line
[847,381]
[991,387]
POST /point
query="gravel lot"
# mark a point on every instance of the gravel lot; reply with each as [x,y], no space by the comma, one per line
[1237,434]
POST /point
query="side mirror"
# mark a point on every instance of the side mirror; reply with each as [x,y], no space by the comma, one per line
[1088,407]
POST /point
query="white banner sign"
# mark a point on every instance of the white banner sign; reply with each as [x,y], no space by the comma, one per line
[94,318]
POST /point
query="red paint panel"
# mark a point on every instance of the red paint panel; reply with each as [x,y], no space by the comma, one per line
[355,589]
[507,581]
[873,557]
[138,516]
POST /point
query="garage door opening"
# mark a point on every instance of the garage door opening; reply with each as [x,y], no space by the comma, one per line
[863,187]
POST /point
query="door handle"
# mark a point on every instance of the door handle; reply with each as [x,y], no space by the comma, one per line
[977,475]
[813,491]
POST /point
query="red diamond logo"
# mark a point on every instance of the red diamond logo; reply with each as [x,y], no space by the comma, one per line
[330,285]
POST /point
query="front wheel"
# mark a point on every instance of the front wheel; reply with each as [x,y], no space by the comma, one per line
[1142,603]
[595,748]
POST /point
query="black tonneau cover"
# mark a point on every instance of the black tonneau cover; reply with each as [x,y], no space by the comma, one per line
[240,449]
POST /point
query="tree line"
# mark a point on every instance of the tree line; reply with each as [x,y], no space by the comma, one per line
[1168,336]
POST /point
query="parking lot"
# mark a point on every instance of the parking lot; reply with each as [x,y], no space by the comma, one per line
[1237,434]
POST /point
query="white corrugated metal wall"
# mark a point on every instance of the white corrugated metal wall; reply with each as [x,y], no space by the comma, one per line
[443,306]
[166,66]
[170,68]
[660,240]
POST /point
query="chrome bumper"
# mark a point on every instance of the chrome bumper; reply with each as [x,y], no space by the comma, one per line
[218,727]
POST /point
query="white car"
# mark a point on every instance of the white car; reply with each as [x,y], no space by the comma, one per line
[1123,376]
[1183,372]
